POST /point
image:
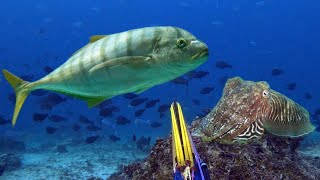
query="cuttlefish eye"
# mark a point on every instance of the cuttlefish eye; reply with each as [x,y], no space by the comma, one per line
[265,93]
[181,43]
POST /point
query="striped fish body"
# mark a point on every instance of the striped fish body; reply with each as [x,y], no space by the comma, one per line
[131,61]
[74,76]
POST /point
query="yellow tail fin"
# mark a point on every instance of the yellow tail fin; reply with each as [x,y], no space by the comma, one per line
[21,90]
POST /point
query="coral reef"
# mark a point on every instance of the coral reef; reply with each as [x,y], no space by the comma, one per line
[272,157]
[9,162]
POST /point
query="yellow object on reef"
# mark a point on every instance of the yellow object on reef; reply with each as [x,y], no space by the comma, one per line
[181,142]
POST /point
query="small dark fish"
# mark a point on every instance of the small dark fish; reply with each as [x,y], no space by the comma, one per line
[76,127]
[196,102]
[291,86]
[318,129]
[84,120]
[27,77]
[163,108]
[134,138]
[223,65]
[114,138]
[12,98]
[204,113]
[206,110]
[181,80]
[130,96]
[139,112]
[92,127]
[121,120]
[52,100]
[155,124]
[91,139]
[104,104]
[143,141]
[151,103]
[41,31]
[51,130]
[197,74]
[47,69]
[55,98]
[3,121]
[46,107]
[138,101]
[39,92]
[105,112]
[57,118]
[114,109]
[206,90]
[39,117]
[307,96]
[277,72]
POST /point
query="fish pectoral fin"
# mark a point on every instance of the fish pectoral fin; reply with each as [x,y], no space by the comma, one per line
[92,39]
[130,61]
[95,38]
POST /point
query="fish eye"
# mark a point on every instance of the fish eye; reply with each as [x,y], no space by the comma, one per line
[265,93]
[181,43]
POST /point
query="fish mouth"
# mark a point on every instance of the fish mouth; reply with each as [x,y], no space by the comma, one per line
[201,54]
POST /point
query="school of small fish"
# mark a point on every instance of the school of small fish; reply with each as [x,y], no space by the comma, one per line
[99,71]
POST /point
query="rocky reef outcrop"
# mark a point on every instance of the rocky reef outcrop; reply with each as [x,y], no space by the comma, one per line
[272,157]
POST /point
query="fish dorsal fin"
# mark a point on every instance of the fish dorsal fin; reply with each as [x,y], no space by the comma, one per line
[287,118]
[92,39]
[96,38]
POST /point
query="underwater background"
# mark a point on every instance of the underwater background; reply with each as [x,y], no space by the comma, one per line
[59,137]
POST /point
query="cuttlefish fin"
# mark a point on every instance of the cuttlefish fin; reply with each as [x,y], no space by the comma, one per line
[22,90]
[287,118]
[130,61]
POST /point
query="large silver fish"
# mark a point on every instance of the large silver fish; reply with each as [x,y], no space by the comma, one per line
[246,109]
[131,61]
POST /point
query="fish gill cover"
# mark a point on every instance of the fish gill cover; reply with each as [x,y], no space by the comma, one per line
[272,41]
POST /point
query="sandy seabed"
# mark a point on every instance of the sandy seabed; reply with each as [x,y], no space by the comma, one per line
[83,161]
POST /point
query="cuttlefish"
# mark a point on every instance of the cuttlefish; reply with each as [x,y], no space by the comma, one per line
[247,109]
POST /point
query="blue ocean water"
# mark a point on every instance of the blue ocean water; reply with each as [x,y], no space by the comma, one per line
[255,37]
